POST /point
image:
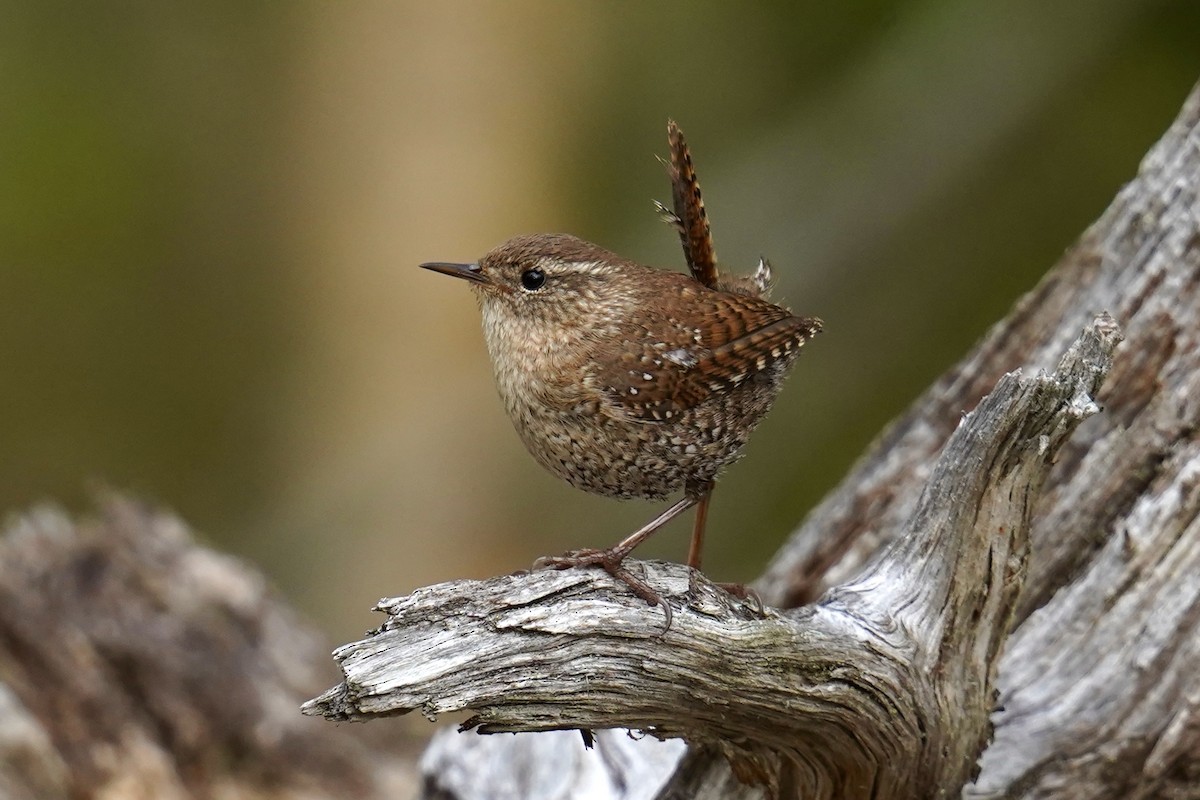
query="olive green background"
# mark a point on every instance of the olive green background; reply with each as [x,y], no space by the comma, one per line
[210,217]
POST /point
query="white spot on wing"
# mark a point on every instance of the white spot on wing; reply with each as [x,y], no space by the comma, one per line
[683,358]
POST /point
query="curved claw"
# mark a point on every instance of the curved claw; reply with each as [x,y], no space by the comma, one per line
[586,557]
[746,594]
[611,561]
[643,590]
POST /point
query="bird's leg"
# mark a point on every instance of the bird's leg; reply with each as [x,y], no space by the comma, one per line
[611,558]
[694,551]
[617,553]
[703,494]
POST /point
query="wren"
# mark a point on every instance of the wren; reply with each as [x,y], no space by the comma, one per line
[628,381]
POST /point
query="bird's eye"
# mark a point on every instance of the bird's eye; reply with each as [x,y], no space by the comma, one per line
[533,279]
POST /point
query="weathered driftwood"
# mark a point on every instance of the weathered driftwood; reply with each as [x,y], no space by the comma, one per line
[1099,685]
[884,685]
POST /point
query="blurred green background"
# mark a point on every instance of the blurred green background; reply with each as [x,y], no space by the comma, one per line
[211,214]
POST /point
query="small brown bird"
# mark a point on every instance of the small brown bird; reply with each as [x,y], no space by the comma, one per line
[628,381]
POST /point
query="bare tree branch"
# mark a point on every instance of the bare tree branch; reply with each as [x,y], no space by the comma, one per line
[887,681]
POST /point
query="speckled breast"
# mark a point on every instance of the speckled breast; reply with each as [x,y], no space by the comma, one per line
[621,457]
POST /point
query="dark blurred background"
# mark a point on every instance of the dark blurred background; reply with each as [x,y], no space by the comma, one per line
[210,217]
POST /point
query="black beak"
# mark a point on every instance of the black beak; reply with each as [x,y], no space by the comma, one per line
[470,272]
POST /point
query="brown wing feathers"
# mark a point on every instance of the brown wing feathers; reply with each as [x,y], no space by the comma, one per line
[674,372]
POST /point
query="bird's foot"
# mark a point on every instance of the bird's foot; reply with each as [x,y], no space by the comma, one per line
[612,561]
[587,557]
[744,593]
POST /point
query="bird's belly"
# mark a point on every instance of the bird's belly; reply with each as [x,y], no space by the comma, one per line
[624,458]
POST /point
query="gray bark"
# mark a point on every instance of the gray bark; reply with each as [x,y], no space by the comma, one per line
[905,583]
